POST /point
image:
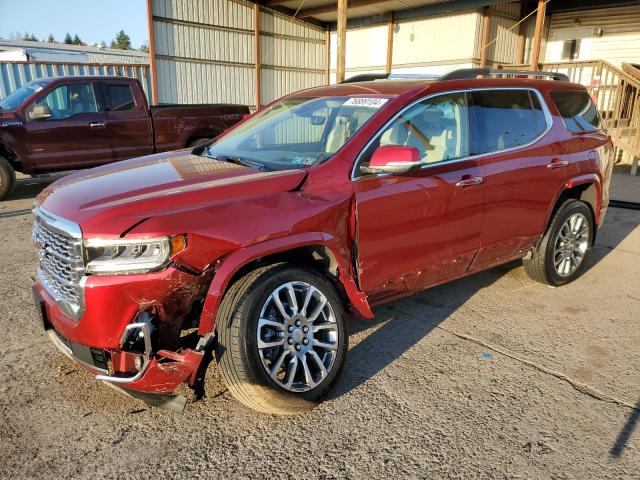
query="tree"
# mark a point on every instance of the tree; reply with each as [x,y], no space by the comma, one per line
[67,39]
[77,41]
[144,48]
[122,41]
[51,38]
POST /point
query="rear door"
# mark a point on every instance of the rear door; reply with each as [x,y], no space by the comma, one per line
[128,120]
[522,169]
[75,135]
[420,228]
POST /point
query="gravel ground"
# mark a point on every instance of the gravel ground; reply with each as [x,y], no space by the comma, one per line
[492,376]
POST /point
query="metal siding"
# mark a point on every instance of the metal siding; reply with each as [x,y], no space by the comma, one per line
[366,48]
[225,13]
[13,75]
[511,9]
[505,48]
[295,53]
[277,83]
[436,39]
[620,41]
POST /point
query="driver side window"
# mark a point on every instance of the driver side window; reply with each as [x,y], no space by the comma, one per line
[437,127]
[68,100]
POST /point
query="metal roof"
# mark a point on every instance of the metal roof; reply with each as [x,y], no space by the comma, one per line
[94,54]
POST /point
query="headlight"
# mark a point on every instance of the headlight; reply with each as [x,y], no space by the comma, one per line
[124,256]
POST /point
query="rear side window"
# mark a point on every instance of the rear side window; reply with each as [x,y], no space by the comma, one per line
[121,97]
[577,110]
[504,119]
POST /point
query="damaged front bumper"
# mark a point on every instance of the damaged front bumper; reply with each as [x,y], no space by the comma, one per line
[100,341]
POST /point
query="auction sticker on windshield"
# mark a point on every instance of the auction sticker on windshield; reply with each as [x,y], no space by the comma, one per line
[366,102]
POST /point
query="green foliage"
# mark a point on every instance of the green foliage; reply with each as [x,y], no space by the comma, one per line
[68,39]
[122,41]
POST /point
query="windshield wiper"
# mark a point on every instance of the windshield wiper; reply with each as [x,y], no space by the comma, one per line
[238,161]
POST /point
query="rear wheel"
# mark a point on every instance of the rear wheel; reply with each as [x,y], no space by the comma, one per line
[7,178]
[282,339]
[559,257]
[197,142]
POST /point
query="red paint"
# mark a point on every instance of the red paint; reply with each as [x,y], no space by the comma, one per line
[412,230]
[387,154]
[47,145]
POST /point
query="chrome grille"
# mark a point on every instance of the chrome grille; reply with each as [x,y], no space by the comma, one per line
[61,268]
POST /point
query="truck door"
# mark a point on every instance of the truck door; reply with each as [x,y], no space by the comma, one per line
[423,227]
[128,120]
[74,135]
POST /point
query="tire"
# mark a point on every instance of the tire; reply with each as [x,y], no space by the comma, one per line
[7,178]
[243,360]
[542,265]
[197,142]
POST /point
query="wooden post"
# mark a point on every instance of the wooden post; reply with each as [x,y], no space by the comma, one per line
[257,54]
[390,43]
[327,57]
[342,40]
[522,33]
[484,36]
[537,35]
[152,54]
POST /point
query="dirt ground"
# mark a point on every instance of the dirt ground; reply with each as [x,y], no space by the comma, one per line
[492,376]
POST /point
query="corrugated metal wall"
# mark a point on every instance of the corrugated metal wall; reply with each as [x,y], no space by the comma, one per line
[620,40]
[503,30]
[15,74]
[423,45]
[205,52]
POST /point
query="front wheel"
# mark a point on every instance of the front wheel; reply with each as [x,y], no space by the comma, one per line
[559,258]
[7,178]
[282,339]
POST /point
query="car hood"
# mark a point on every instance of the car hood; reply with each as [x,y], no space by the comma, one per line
[108,200]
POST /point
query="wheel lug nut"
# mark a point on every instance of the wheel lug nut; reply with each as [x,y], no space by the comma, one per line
[290,341]
[297,323]
[305,329]
[298,347]
[290,328]
[305,341]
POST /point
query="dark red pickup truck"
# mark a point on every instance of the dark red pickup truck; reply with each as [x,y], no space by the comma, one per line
[68,123]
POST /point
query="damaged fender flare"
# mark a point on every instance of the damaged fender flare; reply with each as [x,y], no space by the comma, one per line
[236,260]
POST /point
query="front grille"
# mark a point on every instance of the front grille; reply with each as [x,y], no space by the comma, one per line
[61,268]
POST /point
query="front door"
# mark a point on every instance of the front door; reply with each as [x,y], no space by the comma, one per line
[74,136]
[423,227]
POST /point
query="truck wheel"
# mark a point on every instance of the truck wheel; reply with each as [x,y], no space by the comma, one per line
[559,257]
[7,178]
[197,142]
[282,339]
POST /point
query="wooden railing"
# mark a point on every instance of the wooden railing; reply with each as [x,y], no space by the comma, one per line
[616,93]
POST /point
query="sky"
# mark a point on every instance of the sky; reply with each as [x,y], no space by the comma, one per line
[92,20]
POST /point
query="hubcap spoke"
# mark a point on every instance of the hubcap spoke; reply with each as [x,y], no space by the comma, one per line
[262,344]
[313,317]
[279,306]
[571,244]
[293,301]
[263,322]
[325,345]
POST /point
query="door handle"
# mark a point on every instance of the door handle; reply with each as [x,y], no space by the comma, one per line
[557,163]
[97,124]
[469,181]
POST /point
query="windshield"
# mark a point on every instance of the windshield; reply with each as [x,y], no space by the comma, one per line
[296,132]
[15,99]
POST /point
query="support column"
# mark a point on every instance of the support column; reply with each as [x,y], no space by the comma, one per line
[522,31]
[537,35]
[152,54]
[391,26]
[342,40]
[257,54]
[484,36]
[327,57]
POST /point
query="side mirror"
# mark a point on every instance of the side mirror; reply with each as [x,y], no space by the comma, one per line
[39,112]
[318,119]
[393,159]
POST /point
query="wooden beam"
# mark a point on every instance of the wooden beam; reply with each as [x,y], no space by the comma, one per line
[152,54]
[257,54]
[522,33]
[390,43]
[484,36]
[273,3]
[312,12]
[537,35]
[327,57]
[342,40]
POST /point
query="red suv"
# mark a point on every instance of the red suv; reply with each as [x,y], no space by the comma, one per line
[330,200]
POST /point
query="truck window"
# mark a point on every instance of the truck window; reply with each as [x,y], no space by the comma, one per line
[68,100]
[577,110]
[502,119]
[437,127]
[121,98]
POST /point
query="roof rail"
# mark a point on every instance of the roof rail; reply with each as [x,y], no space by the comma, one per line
[367,77]
[469,73]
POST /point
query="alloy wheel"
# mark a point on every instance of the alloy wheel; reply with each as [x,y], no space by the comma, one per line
[571,244]
[297,336]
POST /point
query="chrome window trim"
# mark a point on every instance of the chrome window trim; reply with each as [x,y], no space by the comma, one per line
[545,109]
